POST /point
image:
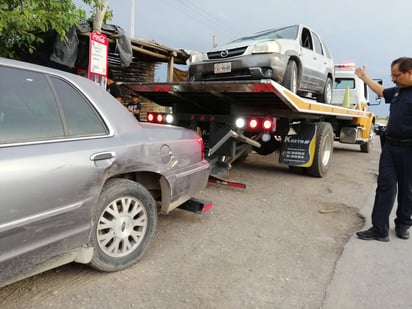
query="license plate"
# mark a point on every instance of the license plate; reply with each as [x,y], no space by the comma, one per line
[224,67]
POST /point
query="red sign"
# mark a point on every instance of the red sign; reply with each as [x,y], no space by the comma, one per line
[98,50]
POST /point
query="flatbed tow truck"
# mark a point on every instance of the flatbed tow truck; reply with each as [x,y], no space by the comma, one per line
[237,117]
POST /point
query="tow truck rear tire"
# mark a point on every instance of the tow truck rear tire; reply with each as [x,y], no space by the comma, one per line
[366,147]
[323,150]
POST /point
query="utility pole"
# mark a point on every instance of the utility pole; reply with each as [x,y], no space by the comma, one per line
[214,44]
[132,16]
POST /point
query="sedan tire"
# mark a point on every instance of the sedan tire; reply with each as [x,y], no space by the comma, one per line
[123,225]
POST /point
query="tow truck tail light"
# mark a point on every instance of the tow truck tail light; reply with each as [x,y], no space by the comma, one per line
[159,117]
[150,117]
[253,123]
[265,124]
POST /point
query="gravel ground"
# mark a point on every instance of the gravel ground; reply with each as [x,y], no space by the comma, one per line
[273,245]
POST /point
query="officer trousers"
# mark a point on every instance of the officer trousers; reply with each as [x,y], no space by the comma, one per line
[395,177]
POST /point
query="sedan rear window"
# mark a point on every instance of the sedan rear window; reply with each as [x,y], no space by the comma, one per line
[80,117]
[28,110]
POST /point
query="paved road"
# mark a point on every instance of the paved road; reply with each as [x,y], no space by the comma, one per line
[372,274]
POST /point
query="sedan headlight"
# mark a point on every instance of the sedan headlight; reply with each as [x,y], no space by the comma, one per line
[266,47]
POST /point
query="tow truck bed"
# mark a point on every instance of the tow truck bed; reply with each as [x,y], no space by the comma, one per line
[242,96]
[236,117]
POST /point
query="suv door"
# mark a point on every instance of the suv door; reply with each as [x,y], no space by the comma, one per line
[309,61]
[321,62]
[48,183]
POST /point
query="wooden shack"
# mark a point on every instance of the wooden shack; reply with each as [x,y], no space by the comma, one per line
[147,57]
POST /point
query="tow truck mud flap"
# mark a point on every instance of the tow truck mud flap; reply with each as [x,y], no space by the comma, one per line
[196,205]
[299,149]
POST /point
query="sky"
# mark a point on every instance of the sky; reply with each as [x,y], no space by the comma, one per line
[364,32]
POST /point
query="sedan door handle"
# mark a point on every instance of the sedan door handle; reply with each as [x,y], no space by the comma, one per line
[102,156]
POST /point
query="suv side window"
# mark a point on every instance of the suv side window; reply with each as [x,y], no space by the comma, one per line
[327,51]
[28,109]
[80,117]
[306,39]
[318,44]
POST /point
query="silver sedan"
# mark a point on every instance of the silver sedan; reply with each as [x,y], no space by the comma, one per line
[81,179]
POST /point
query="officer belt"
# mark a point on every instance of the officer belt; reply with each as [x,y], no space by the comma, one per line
[398,142]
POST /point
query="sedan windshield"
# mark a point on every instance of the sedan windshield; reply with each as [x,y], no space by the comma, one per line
[272,34]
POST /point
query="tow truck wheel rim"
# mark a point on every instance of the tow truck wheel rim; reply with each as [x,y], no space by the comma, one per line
[327,150]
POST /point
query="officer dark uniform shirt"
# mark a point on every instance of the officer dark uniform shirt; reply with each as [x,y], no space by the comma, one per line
[400,118]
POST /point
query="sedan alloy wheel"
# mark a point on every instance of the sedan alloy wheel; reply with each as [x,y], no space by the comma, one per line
[123,226]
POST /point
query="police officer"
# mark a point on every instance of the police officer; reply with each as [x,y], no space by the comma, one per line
[395,165]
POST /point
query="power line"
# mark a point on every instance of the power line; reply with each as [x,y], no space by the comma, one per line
[210,16]
[200,15]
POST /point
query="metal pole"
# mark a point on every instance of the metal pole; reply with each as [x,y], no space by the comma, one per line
[132,16]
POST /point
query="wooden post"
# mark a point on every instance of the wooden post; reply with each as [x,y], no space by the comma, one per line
[170,65]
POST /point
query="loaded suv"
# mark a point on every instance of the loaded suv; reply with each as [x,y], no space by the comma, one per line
[294,56]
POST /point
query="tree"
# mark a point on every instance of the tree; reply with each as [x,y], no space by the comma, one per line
[101,13]
[21,20]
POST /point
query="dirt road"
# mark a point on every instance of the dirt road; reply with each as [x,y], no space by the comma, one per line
[273,245]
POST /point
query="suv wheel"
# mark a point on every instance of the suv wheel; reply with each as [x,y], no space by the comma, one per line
[291,77]
[326,95]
